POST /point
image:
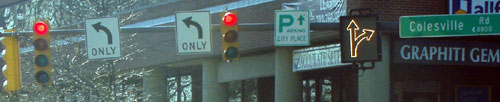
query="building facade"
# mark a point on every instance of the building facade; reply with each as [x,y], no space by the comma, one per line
[422,69]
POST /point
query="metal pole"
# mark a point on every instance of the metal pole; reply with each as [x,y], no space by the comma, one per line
[112,79]
[383,26]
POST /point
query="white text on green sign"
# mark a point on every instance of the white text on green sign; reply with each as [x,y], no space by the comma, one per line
[448,25]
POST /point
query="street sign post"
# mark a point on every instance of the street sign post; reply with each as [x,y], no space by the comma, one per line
[103,38]
[291,28]
[193,32]
[448,25]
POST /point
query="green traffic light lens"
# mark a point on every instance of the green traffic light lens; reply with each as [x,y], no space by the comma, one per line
[42,77]
[40,44]
[231,36]
[231,52]
[41,60]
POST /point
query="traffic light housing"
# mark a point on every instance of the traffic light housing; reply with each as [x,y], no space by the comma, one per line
[229,30]
[11,69]
[42,58]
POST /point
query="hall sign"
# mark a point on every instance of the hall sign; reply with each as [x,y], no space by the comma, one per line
[317,58]
[445,52]
[449,25]
[474,6]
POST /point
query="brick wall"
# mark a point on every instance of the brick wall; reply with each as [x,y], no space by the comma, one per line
[391,10]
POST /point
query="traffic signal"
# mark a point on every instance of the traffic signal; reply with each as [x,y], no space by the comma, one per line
[229,30]
[42,56]
[11,69]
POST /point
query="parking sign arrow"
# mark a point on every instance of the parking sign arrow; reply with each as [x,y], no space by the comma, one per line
[301,19]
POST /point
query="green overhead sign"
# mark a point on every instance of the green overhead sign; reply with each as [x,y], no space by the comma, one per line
[449,25]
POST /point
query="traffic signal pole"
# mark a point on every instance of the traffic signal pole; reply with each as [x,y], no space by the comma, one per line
[383,26]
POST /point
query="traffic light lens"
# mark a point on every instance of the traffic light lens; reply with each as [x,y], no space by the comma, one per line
[40,28]
[230,19]
[40,44]
[231,52]
[42,77]
[41,61]
[231,36]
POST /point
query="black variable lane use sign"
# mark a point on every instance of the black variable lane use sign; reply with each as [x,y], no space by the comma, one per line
[359,39]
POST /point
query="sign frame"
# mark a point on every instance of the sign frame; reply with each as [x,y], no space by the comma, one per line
[345,56]
[321,51]
[308,29]
[209,33]
[321,11]
[87,37]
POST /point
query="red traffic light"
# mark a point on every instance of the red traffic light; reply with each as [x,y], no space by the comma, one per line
[40,28]
[229,19]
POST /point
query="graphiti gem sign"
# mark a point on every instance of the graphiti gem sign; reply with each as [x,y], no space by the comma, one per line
[359,39]
[445,52]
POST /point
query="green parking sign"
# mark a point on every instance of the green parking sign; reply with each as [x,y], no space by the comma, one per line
[291,28]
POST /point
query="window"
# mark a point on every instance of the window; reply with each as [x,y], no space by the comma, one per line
[243,91]
[317,90]
[179,89]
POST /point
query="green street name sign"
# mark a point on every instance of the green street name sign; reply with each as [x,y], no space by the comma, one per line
[449,25]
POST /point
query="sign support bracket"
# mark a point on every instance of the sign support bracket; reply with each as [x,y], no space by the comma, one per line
[363,65]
